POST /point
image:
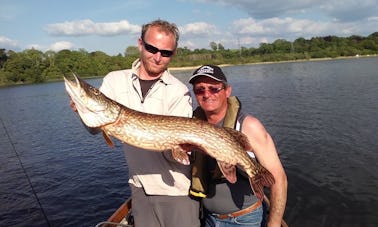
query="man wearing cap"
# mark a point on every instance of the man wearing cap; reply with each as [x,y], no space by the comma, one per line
[227,204]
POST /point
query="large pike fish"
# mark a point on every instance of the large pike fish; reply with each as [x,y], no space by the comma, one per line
[162,133]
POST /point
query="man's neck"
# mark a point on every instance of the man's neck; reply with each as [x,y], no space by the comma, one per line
[216,117]
[144,75]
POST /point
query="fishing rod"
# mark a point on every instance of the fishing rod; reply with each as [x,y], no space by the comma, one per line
[26,174]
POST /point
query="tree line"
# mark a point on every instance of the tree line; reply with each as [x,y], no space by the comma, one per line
[34,66]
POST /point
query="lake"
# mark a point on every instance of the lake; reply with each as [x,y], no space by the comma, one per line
[322,116]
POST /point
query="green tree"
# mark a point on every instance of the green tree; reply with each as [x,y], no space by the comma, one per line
[99,64]
[132,51]
[30,66]
[15,66]
[213,46]
[265,48]
[281,46]
[3,57]
[25,67]
[36,65]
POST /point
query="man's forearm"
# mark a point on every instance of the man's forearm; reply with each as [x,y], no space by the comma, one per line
[278,197]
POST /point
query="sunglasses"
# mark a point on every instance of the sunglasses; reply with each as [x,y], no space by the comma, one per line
[154,50]
[212,90]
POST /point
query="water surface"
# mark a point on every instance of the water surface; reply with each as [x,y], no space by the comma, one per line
[321,115]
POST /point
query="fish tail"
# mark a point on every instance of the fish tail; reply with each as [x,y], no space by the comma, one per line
[263,179]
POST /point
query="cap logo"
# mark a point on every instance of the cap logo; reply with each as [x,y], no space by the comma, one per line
[206,70]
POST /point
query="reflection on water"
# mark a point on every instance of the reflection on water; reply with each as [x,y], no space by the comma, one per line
[322,116]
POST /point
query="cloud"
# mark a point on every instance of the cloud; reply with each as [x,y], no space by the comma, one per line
[197,35]
[8,43]
[278,26]
[188,44]
[35,46]
[62,45]
[345,10]
[373,19]
[290,28]
[266,9]
[350,10]
[289,20]
[57,46]
[88,27]
[198,29]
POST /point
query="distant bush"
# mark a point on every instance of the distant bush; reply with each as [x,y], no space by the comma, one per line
[34,66]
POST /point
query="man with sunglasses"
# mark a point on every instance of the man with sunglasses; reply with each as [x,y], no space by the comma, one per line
[227,204]
[159,184]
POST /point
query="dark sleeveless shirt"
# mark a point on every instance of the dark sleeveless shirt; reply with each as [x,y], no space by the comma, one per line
[225,197]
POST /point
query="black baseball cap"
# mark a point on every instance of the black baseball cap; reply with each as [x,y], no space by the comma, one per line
[211,71]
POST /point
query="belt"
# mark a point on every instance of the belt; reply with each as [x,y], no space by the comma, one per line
[240,212]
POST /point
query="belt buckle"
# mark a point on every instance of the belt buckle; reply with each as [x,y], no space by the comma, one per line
[222,216]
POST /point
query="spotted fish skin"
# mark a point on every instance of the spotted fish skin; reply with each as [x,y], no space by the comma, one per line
[161,133]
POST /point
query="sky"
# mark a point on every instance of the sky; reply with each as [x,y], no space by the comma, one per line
[113,25]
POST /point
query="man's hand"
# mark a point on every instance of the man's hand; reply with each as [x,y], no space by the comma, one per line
[73,106]
[228,170]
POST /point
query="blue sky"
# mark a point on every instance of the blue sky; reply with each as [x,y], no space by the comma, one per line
[113,25]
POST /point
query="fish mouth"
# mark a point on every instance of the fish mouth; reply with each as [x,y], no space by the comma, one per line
[87,103]
[77,93]
[72,86]
[76,88]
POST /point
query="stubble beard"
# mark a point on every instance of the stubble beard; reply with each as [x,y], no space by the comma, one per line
[153,69]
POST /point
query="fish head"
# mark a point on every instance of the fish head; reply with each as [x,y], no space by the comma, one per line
[94,108]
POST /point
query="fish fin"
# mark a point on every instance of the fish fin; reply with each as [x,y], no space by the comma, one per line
[179,154]
[228,171]
[240,137]
[109,141]
[262,179]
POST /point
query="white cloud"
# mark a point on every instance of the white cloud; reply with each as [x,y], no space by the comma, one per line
[35,46]
[88,27]
[345,10]
[271,26]
[349,10]
[188,44]
[248,26]
[247,40]
[248,23]
[287,19]
[267,9]
[198,35]
[291,28]
[62,45]
[57,46]
[198,29]
[8,43]
[373,19]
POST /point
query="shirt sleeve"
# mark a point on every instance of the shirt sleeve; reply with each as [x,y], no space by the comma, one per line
[106,87]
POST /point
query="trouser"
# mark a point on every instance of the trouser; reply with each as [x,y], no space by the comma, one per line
[252,219]
[163,211]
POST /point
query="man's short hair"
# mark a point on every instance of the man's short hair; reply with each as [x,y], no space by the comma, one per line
[165,26]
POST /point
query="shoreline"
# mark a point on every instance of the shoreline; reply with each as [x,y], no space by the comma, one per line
[191,68]
[185,68]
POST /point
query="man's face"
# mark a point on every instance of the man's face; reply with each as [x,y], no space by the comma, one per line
[156,50]
[211,95]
